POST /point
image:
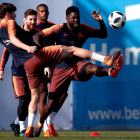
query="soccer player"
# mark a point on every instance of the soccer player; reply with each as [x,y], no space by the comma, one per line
[42,23]
[34,57]
[19,78]
[73,68]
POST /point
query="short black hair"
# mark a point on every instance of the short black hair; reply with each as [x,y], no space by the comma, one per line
[41,5]
[6,7]
[72,9]
[30,12]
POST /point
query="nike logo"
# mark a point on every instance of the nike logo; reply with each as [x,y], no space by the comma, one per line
[80,34]
[65,34]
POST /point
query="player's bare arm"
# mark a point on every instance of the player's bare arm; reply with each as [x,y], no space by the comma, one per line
[14,40]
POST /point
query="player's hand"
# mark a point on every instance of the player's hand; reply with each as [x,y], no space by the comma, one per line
[97,16]
[32,49]
[47,71]
[1,75]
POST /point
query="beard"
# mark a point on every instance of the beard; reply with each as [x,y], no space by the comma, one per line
[31,26]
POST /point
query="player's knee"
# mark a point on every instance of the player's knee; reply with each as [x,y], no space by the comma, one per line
[73,48]
[35,98]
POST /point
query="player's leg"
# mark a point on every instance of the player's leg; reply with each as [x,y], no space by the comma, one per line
[50,119]
[23,113]
[22,92]
[59,85]
[32,109]
[42,103]
[15,127]
[88,70]
[56,108]
[54,54]
[87,54]
[35,76]
[45,113]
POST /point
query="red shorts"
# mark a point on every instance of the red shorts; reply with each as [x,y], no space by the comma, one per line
[21,86]
[35,66]
[62,77]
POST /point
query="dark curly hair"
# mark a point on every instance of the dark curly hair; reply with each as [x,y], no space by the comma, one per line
[6,7]
[72,9]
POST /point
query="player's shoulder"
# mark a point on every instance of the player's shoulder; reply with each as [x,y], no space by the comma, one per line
[51,23]
[11,21]
[37,30]
[83,25]
[56,26]
[38,22]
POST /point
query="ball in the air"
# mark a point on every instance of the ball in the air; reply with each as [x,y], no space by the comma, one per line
[117,19]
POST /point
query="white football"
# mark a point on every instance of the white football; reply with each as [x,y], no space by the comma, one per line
[117,19]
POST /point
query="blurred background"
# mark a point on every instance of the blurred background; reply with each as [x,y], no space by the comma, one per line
[101,103]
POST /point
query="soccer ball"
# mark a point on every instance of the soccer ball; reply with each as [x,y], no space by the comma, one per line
[117,19]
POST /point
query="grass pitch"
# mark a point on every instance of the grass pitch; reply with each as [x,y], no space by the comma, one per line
[79,135]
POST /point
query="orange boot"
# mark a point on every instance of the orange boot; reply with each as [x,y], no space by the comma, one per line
[47,133]
[109,60]
[52,130]
[114,71]
[29,131]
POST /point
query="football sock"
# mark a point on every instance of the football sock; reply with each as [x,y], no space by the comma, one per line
[39,123]
[31,118]
[45,126]
[22,125]
[16,121]
[51,117]
[97,57]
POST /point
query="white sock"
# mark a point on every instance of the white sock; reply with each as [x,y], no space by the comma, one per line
[40,124]
[45,126]
[51,117]
[97,57]
[31,118]
[16,121]
[22,125]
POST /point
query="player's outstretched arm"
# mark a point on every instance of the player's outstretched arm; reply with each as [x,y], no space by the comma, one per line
[93,32]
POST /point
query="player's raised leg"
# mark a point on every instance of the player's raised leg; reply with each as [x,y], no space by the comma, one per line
[87,54]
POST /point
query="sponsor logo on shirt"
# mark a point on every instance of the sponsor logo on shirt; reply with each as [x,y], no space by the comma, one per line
[65,34]
[6,41]
[80,34]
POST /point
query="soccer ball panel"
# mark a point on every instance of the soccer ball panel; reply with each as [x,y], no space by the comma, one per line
[117,19]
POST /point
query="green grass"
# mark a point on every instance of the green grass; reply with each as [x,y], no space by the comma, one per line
[79,135]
